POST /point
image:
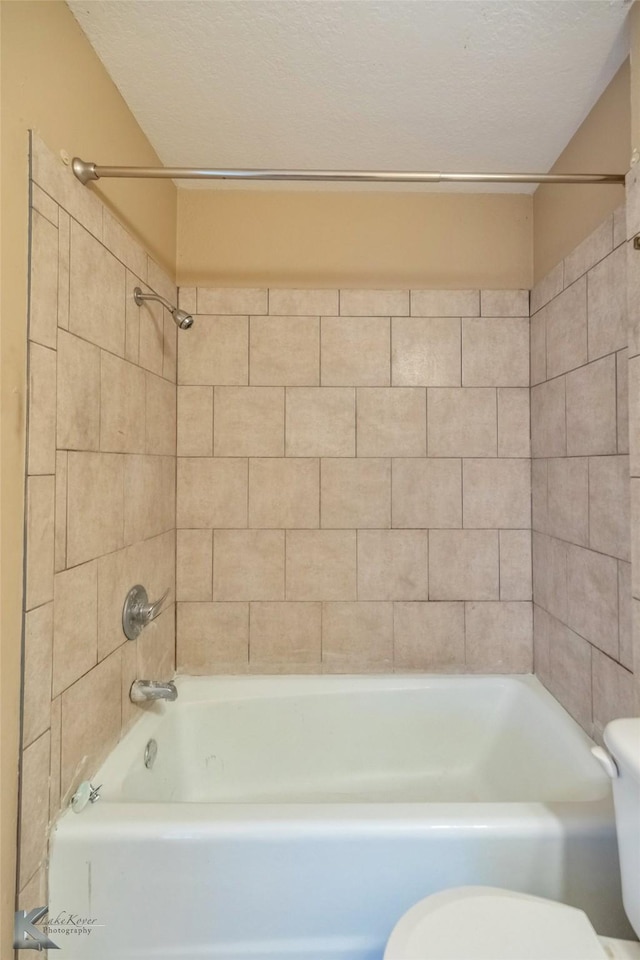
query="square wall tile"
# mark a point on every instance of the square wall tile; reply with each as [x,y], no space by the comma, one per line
[568,499]
[463,565]
[549,287]
[320,422]
[230,300]
[462,422]
[284,351]
[496,493]
[357,633]
[38,653]
[391,422]
[633,299]
[248,564]
[504,303]
[215,351]
[592,585]
[60,534]
[445,303]
[300,303]
[429,636]
[515,565]
[122,245]
[194,564]
[539,496]
[548,419]
[541,633]
[613,690]
[160,437]
[64,253]
[34,807]
[427,493]
[195,422]
[538,347]
[610,506]
[550,574]
[321,565]
[187,299]
[393,565]
[591,409]
[41,453]
[379,303]
[212,492]
[149,496]
[607,305]
[570,672]
[157,646]
[212,637]
[495,352]
[499,637]
[514,422]
[355,493]
[625,627]
[356,351]
[284,492]
[248,422]
[622,387]
[43,300]
[426,351]
[75,624]
[122,406]
[39,545]
[567,330]
[97,292]
[285,632]
[594,248]
[78,403]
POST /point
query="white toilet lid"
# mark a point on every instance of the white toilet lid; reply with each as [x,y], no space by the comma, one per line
[486,923]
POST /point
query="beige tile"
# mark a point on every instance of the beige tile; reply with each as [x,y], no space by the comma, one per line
[634,415]
[462,422]
[515,565]
[495,352]
[504,303]
[131,321]
[212,635]
[160,281]
[393,565]
[157,647]
[357,633]
[41,454]
[539,497]
[538,347]
[284,492]
[97,292]
[391,422]
[122,245]
[149,496]
[195,422]
[34,891]
[75,624]
[550,574]
[445,303]
[78,409]
[548,419]
[592,584]
[427,493]
[379,303]
[356,351]
[596,246]
[622,393]
[39,541]
[34,807]
[609,506]
[549,287]
[633,299]
[591,409]
[625,632]
[635,535]
[43,299]
[613,690]
[321,565]
[429,636]
[60,544]
[122,406]
[321,422]
[212,492]
[97,699]
[632,199]
[64,258]
[567,330]
[570,672]
[95,513]
[607,305]
[496,493]
[187,299]
[160,431]
[248,422]
[151,326]
[227,300]
[499,637]
[215,351]
[170,355]
[619,225]
[194,564]
[541,633]
[285,632]
[355,493]
[38,652]
[300,303]
[43,203]
[426,351]
[130,711]
[248,564]
[284,351]
[463,565]
[514,422]
[568,499]
[58,181]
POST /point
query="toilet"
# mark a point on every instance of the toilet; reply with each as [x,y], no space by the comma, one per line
[487,923]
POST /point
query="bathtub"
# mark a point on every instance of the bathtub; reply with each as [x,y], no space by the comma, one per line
[296,818]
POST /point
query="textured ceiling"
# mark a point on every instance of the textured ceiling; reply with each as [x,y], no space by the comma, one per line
[425,85]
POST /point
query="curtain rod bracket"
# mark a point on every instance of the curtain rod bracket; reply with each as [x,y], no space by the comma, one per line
[84,171]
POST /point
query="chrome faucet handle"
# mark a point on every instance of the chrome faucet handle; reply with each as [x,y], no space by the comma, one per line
[138,611]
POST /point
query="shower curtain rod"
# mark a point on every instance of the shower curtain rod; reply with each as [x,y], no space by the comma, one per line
[86,171]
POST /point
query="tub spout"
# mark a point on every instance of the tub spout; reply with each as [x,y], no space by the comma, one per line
[143,690]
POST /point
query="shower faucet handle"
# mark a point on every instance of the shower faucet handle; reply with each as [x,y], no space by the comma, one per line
[138,611]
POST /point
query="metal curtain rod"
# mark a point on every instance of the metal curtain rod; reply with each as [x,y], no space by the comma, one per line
[86,171]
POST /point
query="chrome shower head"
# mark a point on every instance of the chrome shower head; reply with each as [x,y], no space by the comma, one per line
[183,319]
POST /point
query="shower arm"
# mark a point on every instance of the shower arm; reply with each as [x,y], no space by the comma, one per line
[86,171]
[140,297]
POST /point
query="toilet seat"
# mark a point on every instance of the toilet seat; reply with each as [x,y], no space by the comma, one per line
[487,923]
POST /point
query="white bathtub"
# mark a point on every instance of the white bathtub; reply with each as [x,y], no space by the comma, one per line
[296,818]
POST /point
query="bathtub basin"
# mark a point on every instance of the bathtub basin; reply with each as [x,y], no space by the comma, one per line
[296,818]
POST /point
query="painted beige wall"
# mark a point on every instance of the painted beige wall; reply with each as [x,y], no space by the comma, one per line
[52,82]
[353,239]
[564,215]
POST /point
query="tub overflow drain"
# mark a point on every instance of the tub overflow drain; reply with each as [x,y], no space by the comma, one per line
[150,754]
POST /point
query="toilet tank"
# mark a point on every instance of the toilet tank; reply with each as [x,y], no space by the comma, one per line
[622,738]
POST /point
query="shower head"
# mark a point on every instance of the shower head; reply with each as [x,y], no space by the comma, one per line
[183,319]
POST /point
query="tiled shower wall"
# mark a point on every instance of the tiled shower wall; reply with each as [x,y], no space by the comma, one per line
[580,479]
[100,492]
[354,481]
